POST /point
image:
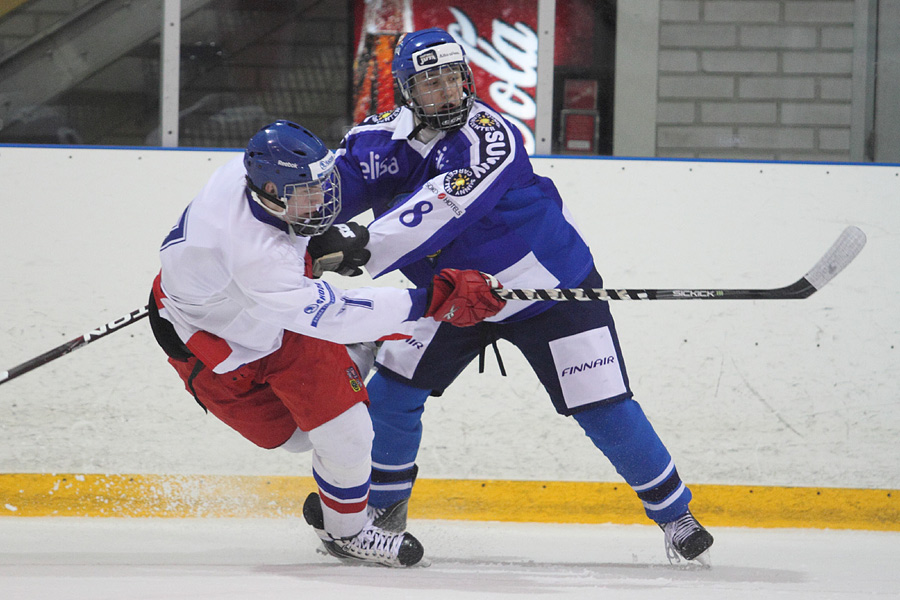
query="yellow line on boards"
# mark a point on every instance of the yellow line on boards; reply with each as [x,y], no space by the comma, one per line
[93,495]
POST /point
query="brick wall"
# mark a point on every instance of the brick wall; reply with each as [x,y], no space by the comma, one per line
[755,79]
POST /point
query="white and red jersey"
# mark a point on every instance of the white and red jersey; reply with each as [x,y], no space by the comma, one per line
[232,270]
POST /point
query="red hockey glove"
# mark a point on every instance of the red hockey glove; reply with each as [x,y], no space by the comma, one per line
[463,298]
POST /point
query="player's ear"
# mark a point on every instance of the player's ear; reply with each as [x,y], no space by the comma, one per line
[270,188]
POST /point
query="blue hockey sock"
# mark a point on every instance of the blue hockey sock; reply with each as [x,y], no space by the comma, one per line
[396,409]
[622,432]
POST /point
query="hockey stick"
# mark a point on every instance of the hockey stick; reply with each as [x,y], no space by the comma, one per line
[91,336]
[841,253]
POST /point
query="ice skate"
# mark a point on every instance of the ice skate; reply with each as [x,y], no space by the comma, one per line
[686,538]
[392,518]
[372,545]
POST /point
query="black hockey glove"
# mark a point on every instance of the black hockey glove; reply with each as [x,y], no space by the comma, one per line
[342,249]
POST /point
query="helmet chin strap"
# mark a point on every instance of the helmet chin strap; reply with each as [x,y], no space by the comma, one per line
[420,125]
[264,194]
[294,229]
[260,193]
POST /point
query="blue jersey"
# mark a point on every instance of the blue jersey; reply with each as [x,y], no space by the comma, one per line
[467,199]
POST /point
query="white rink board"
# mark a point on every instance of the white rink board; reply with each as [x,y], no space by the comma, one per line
[743,392]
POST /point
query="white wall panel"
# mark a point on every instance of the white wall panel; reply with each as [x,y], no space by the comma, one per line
[743,392]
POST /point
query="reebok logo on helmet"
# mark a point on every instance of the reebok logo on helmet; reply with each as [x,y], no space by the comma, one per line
[282,163]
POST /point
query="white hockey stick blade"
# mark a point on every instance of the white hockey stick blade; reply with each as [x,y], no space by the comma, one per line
[842,252]
[839,255]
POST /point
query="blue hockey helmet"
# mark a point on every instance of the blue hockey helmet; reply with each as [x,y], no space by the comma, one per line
[291,174]
[433,78]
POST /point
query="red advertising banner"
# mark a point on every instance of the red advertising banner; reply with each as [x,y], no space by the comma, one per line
[379,24]
[499,38]
[501,43]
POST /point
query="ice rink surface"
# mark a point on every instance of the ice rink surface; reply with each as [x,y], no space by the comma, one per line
[140,559]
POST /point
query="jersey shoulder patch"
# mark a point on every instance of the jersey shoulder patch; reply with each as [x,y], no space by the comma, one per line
[494,149]
[379,118]
[483,121]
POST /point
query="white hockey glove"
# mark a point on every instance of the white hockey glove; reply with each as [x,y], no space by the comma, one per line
[342,249]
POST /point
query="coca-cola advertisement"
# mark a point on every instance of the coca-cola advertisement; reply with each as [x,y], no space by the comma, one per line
[499,38]
[501,42]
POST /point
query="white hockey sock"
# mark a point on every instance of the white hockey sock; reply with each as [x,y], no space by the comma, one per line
[342,466]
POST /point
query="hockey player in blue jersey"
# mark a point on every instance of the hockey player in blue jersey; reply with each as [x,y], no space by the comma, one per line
[451,185]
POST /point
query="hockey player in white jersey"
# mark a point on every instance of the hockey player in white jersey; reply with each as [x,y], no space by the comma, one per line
[451,185]
[260,343]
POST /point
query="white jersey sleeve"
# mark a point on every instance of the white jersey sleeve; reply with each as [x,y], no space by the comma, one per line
[231,270]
